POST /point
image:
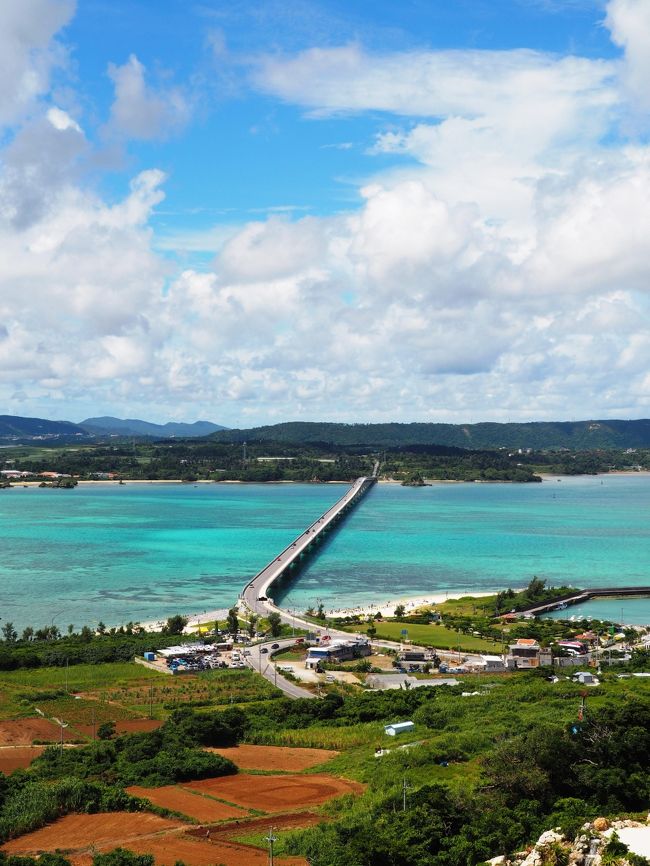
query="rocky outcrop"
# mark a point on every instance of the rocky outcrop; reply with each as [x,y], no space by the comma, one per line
[554,849]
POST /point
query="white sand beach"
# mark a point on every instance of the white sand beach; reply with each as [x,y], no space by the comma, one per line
[410,603]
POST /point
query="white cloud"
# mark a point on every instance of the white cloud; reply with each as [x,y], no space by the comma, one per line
[28,52]
[61,120]
[437,83]
[500,271]
[629,23]
[141,111]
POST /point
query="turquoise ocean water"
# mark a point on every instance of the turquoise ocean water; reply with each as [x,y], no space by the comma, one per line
[141,552]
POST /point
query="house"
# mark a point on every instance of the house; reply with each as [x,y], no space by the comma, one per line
[491,664]
[587,637]
[586,678]
[338,651]
[398,728]
[527,653]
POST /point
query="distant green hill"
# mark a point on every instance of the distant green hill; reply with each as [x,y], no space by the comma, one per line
[19,428]
[574,435]
[134,427]
[15,426]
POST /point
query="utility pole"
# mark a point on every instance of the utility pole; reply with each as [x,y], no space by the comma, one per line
[62,725]
[271,839]
[151,702]
[405,788]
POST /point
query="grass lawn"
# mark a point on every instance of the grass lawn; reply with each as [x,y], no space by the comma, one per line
[431,635]
[291,655]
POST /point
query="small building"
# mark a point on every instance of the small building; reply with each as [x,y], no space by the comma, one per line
[588,637]
[572,661]
[398,728]
[523,654]
[586,678]
[491,664]
[526,654]
[413,655]
[338,651]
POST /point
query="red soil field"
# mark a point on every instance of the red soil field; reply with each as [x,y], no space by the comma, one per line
[276,793]
[76,832]
[196,852]
[22,732]
[17,757]
[190,803]
[124,726]
[235,829]
[284,758]
[144,834]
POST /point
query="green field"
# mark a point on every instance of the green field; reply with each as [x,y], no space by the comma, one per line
[434,635]
[123,690]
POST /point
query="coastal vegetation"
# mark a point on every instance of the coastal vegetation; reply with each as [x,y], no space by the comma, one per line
[194,460]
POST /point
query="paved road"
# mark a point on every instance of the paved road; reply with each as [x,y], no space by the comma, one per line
[255,593]
[261,662]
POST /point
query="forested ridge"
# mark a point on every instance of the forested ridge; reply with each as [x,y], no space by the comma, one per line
[575,435]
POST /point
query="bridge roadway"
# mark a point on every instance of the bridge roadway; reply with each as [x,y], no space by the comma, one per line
[256,592]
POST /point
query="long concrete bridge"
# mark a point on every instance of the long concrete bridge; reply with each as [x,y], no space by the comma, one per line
[256,592]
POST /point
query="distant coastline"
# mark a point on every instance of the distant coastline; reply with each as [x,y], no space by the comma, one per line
[106,482]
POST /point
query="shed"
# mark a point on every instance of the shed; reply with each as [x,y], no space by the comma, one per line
[398,728]
[586,678]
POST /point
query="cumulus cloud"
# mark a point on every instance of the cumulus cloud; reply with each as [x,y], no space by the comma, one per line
[629,23]
[500,270]
[28,52]
[141,111]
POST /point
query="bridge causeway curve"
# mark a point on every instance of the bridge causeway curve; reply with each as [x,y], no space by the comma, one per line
[260,586]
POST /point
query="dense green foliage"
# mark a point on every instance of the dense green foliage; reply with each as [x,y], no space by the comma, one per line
[322,452]
[28,802]
[576,435]
[162,757]
[48,648]
[532,776]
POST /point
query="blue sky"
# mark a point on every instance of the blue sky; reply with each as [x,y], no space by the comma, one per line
[254,212]
[245,153]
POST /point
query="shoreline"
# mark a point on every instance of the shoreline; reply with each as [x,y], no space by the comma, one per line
[410,603]
[429,482]
[386,608]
